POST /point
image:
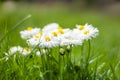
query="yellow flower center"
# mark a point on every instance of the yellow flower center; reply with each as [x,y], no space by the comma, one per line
[47,38]
[61,31]
[37,37]
[29,28]
[26,49]
[55,34]
[86,32]
[41,32]
[81,27]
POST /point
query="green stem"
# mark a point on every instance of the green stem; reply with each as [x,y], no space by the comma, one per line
[63,65]
[42,59]
[50,57]
[81,60]
[88,57]
[59,67]
[87,61]
[59,59]
[68,55]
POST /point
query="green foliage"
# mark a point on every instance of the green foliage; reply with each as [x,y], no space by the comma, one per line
[74,64]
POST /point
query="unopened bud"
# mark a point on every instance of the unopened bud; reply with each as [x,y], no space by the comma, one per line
[62,51]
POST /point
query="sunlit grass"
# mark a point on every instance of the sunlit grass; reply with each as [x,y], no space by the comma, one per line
[105,47]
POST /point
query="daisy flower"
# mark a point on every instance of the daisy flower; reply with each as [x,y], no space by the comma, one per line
[25,51]
[35,40]
[80,27]
[47,41]
[50,27]
[59,33]
[71,38]
[29,32]
[88,31]
[15,49]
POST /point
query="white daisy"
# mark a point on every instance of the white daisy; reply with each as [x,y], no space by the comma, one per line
[80,27]
[15,49]
[47,41]
[71,38]
[59,33]
[29,32]
[89,32]
[50,27]
[35,40]
[25,51]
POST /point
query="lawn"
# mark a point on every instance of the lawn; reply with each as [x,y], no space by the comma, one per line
[105,48]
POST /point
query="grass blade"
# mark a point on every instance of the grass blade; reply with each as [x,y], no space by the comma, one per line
[14,27]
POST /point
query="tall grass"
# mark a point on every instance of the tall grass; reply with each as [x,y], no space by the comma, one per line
[97,60]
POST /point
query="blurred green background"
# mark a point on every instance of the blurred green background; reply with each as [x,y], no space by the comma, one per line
[103,14]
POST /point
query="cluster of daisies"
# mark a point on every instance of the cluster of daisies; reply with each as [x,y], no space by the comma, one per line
[53,35]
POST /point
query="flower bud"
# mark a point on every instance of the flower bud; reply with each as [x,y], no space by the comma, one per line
[62,51]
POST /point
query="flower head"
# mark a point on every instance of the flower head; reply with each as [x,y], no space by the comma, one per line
[71,38]
[35,40]
[29,32]
[47,41]
[87,31]
[25,51]
[19,49]
[50,27]
[15,49]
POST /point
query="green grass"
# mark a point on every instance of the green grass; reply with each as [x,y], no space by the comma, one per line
[106,46]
